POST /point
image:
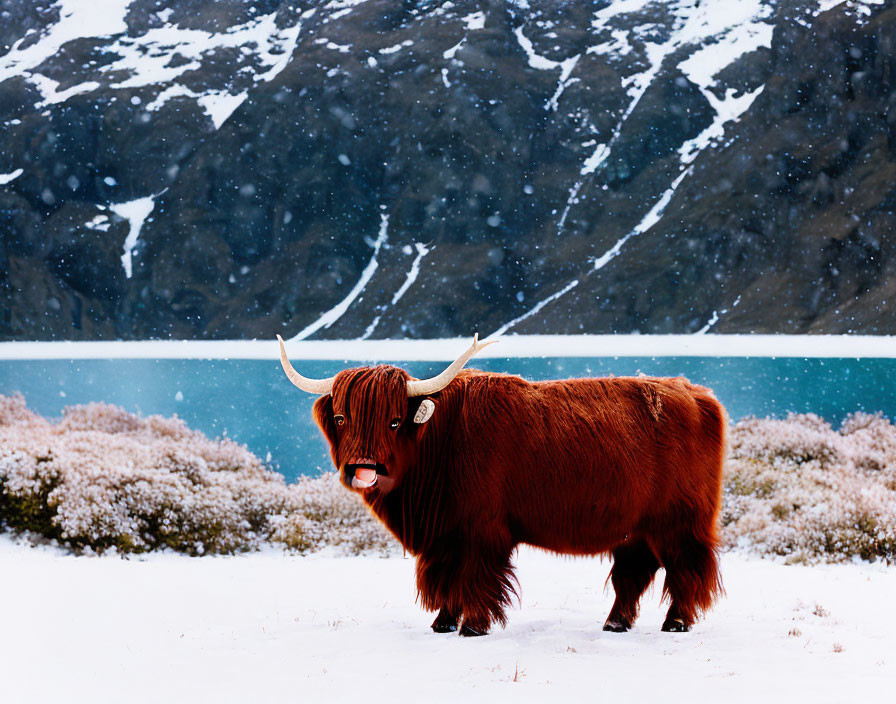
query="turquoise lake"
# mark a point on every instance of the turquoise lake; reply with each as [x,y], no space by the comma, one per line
[252,402]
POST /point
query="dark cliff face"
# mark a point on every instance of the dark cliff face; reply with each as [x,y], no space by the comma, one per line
[198,169]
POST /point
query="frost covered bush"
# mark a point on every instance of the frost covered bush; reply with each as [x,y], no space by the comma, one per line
[323,512]
[104,478]
[800,489]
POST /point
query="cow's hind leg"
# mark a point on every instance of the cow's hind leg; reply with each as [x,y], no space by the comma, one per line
[634,566]
[692,582]
[446,621]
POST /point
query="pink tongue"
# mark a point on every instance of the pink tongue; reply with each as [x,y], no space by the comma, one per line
[365,475]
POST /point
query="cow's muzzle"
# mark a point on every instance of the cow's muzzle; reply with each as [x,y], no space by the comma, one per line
[364,472]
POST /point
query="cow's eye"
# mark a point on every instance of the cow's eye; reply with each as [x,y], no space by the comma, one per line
[340,420]
[395,423]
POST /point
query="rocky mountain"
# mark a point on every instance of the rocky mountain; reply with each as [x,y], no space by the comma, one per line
[373,168]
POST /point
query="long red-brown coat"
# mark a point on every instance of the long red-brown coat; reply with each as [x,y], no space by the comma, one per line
[627,466]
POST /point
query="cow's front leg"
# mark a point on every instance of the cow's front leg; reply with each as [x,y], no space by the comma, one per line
[446,621]
[475,583]
[486,585]
[436,574]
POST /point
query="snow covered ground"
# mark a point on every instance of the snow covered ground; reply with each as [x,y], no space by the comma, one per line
[271,627]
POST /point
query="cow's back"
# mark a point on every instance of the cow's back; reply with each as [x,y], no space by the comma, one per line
[579,465]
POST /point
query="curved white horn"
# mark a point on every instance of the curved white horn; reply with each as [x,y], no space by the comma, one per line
[312,386]
[437,383]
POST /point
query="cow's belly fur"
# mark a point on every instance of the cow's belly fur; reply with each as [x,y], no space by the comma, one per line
[575,515]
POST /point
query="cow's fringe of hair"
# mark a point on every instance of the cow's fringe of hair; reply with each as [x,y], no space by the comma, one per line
[418,513]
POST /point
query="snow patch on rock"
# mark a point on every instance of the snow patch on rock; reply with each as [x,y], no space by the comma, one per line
[135,212]
[12,176]
[77,20]
[148,59]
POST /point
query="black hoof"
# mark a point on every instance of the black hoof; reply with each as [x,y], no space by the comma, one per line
[468,632]
[444,628]
[616,627]
[675,625]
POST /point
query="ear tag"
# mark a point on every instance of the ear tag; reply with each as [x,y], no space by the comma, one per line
[424,413]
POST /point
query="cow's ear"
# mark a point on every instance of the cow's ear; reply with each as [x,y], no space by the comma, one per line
[323,415]
[424,411]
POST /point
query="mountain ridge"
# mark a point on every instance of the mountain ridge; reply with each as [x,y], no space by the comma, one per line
[359,169]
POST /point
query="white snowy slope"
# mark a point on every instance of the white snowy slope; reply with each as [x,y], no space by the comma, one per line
[272,627]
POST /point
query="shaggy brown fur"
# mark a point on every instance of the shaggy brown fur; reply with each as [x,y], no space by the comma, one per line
[625,466]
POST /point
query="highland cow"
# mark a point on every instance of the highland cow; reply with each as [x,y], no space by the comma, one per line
[464,467]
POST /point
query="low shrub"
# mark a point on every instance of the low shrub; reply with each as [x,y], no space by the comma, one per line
[103,478]
[321,511]
[802,490]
